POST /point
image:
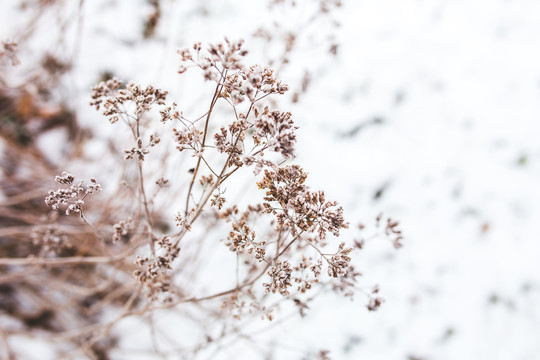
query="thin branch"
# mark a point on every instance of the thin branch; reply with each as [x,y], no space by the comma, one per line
[73,260]
[5,350]
[219,86]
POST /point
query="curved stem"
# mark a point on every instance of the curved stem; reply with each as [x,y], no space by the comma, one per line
[219,86]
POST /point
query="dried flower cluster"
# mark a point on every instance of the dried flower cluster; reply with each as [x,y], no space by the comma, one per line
[8,51]
[157,269]
[50,239]
[71,197]
[241,240]
[121,229]
[339,262]
[391,230]
[114,100]
[300,209]
[280,274]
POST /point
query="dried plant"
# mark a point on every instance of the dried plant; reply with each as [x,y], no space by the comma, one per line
[85,258]
[131,260]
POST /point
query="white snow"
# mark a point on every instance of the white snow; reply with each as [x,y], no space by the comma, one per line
[456,86]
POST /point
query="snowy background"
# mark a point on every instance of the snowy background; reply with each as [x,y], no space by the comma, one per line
[429,112]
